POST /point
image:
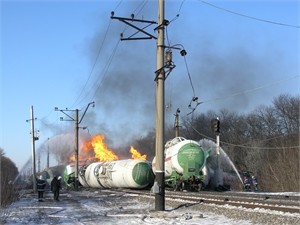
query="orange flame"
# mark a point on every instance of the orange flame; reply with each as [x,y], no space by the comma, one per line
[101,151]
[136,154]
[80,158]
[72,158]
[95,149]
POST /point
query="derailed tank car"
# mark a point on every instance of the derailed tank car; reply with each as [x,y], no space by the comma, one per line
[69,174]
[185,162]
[130,173]
[49,173]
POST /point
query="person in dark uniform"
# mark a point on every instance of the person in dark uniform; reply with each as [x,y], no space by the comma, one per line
[55,187]
[255,183]
[40,184]
[247,183]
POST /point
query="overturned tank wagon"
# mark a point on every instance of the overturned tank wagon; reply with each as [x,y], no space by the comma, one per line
[69,174]
[129,173]
[185,165]
[48,173]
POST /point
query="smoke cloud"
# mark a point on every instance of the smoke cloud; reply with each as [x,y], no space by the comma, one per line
[218,63]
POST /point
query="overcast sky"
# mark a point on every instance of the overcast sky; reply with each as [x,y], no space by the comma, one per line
[66,54]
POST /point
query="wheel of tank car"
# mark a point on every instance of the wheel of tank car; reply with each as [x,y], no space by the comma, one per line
[199,187]
[177,186]
[182,186]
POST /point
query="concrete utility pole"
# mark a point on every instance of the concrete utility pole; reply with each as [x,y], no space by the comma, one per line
[39,162]
[76,148]
[76,134]
[48,154]
[34,138]
[176,125]
[161,75]
[160,110]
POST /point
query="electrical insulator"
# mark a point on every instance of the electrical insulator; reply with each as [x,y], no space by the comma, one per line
[183,52]
[168,57]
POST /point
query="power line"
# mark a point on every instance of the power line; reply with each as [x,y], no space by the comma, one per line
[118,5]
[253,89]
[105,69]
[139,8]
[95,62]
[249,17]
[245,146]
[181,6]
[93,67]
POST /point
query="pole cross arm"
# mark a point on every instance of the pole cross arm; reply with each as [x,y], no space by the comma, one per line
[126,21]
[64,112]
[71,118]
[86,110]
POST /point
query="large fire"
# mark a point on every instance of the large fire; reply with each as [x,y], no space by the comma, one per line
[136,154]
[102,152]
[96,149]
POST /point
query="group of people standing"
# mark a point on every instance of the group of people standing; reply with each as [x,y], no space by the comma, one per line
[250,181]
[55,187]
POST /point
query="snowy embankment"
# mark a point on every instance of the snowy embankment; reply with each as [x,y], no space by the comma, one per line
[107,207]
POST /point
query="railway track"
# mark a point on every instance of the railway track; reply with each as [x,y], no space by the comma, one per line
[287,204]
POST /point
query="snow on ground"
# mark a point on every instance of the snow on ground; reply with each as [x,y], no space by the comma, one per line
[105,207]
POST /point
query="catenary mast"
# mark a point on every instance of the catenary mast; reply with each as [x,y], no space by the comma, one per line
[160,113]
[159,185]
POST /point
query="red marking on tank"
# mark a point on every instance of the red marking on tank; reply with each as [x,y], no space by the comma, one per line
[167,159]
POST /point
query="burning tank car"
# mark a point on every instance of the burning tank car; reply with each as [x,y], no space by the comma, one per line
[185,165]
[130,173]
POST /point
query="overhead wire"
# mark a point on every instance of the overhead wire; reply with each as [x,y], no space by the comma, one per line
[117,6]
[176,17]
[249,17]
[183,53]
[179,10]
[245,91]
[244,146]
[139,8]
[93,67]
[107,66]
[252,89]
[77,100]
[95,62]
[105,69]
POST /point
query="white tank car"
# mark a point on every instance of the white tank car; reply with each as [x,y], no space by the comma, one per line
[185,162]
[129,173]
[178,152]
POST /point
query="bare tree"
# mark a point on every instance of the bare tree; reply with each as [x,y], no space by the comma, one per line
[8,172]
[265,141]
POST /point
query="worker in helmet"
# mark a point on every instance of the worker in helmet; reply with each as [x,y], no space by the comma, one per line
[40,184]
[55,187]
[247,183]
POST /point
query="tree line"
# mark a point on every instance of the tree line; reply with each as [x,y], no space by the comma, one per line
[264,141]
[8,173]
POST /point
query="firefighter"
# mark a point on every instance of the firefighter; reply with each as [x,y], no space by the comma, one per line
[55,187]
[40,184]
[247,183]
